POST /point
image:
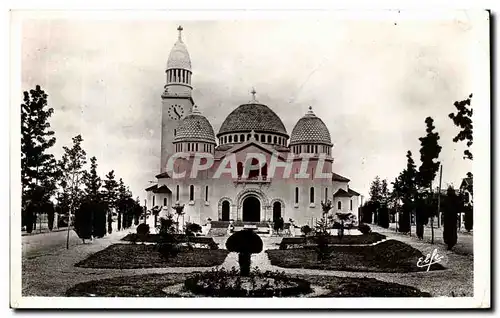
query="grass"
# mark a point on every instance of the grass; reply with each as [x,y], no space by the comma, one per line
[151,285]
[389,256]
[368,238]
[124,256]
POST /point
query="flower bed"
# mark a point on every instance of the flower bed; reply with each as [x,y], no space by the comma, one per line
[221,283]
[388,256]
[124,256]
[297,242]
[198,241]
[154,285]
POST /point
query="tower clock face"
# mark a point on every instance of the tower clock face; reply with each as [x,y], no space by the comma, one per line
[175,111]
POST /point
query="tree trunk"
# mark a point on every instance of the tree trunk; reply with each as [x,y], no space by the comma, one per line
[244,259]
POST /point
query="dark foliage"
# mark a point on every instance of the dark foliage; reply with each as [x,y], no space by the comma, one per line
[364,228]
[453,205]
[245,243]
[463,120]
[306,230]
[469,218]
[383,219]
[84,220]
[142,229]
[39,171]
[49,209]
[192,229]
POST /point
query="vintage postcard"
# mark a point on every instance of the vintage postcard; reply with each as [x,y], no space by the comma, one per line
[191,159]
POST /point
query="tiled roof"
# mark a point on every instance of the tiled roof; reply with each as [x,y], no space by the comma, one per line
[151,188]
[162,175]
[256,117]
[350,191]
[195,127]
[337,177]
[162,189]
[310,129]
[342,193]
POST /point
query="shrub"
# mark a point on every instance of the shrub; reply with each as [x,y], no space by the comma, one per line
[192,229]
[142,229]
[452,205]
[364,228]
[83,221]
[469,218]
[245,243]
[306,230]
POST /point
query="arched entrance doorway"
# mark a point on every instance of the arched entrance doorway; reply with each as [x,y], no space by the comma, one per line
[225,211]
[251,209]
[276,211]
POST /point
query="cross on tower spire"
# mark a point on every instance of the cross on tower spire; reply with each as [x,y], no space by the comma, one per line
[180,32]
[253,92]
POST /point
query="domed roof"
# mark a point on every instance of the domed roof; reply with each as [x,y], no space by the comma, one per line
[195,127]
[310,129]
[252,116]
[179,56]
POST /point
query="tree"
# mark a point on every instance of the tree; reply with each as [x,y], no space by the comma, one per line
[39,171]
[409,190]
[452,205]
[463,120]
[92,183]
[84,220]
[110,196]
[179,211]
[384,216]
[429,152]
[71,165]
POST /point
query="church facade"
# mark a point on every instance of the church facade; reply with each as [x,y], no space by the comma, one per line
[251,170]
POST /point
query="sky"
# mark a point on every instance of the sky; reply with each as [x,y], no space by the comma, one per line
[372,81]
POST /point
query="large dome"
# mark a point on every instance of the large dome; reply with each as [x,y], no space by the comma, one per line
[179,56]
[195,127]
[310,129]
[253,116]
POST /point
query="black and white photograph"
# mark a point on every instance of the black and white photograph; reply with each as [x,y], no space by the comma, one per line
[250,159]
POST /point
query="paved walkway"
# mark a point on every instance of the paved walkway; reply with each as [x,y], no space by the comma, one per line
[53,273]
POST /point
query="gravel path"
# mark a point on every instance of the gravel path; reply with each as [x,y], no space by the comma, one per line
[53,272]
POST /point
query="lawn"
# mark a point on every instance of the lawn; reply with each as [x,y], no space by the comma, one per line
[123,256]
[151,285]
[388,256]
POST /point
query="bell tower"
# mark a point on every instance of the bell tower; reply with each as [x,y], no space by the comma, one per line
[177,101]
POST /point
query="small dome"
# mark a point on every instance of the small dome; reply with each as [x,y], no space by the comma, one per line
[252,116]
[310,129]
[179,55]
[195,127]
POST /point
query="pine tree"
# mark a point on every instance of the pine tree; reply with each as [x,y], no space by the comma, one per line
[409,190]
[72,171]
[110,196]
[429,152]
[452,205]
[463,120]
[93,195]
[39,170]
[375,197]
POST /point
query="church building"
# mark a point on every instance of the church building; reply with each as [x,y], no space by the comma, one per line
[251,130]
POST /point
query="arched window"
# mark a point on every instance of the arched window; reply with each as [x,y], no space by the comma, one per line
[225,211]
[189,147]
[269,139]
[196,147]
[249,136]
[175,132]
[339,205]
[256,137]
[230,138]
[153,200]
[242,138]
[275,140]
[206,193]
[262,138]
[296,195]
[165,201]
[225,139]
[311,195]
[350,206]
[235,138]
[177,193]
[315,148]
[326,194]
[191,193]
